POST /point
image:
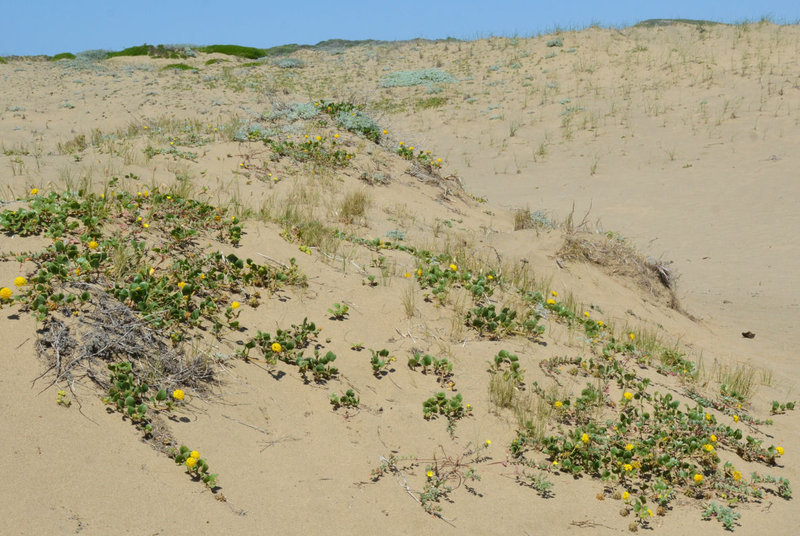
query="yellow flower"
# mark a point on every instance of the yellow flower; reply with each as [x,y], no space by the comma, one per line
[586,314]
[419,272]
[401,143]
[407,275]
[713,438]
[5,293]
[631,336]
[488,442]
[453,267]
[146,225]
[177,394]
[551,301]
[335,135]
[637,464]
[558,404]
[698,477]
[151,271]
[735,418]
[20,281]
[708,447]
[490,277]
[191,462]
[181,285]
[92,245]
[629,446]
[385,132]
[628,467]
[194,454]
[235,305]
[625,495]
[469,407]
[411,148]
[736,475]
[555,463]
[649,512]
[35,191]
[276,347]
[708,416]
[318,138]
[429,474]
[779,450]
[600,323]
[585,438]
[627,395]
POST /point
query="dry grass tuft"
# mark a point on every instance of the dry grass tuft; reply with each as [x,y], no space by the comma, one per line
[617,257]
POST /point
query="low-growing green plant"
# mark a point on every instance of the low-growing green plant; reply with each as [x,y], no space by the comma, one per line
[778,408]
[319,367]
[348,400]
[441,368]
[507,364]
[380,361]
[195,465]
[723,514]
[452,408]
[339,311]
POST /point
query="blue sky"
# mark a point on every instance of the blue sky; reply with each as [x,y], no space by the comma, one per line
[53,26]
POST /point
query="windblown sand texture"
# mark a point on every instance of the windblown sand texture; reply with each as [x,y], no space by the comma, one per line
[679,141]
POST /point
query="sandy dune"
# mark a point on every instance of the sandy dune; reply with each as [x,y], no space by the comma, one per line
[679,141]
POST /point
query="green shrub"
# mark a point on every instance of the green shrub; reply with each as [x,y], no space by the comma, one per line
[416,78]
[179,67]
[63,56]
[249,53]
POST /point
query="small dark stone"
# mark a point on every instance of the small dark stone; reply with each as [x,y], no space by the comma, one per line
[748,335]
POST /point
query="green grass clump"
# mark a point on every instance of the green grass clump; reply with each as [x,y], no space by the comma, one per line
[179,67]
[416,78]
[430,102]
[249,53]
[3,60]
[63,56]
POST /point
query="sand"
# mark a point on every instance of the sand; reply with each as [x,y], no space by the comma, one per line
[678,139]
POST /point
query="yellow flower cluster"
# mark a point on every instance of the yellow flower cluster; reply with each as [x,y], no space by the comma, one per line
[235,305]
[629,446]
[5,293]
[698,477]
[20,281]
[585,438]
[558,404]
[453,267]
[191,462]
[628,467]
[92,245]
[625,495]
[177,394]
[276,347]
[194,454]
[779,450]
[627,395]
